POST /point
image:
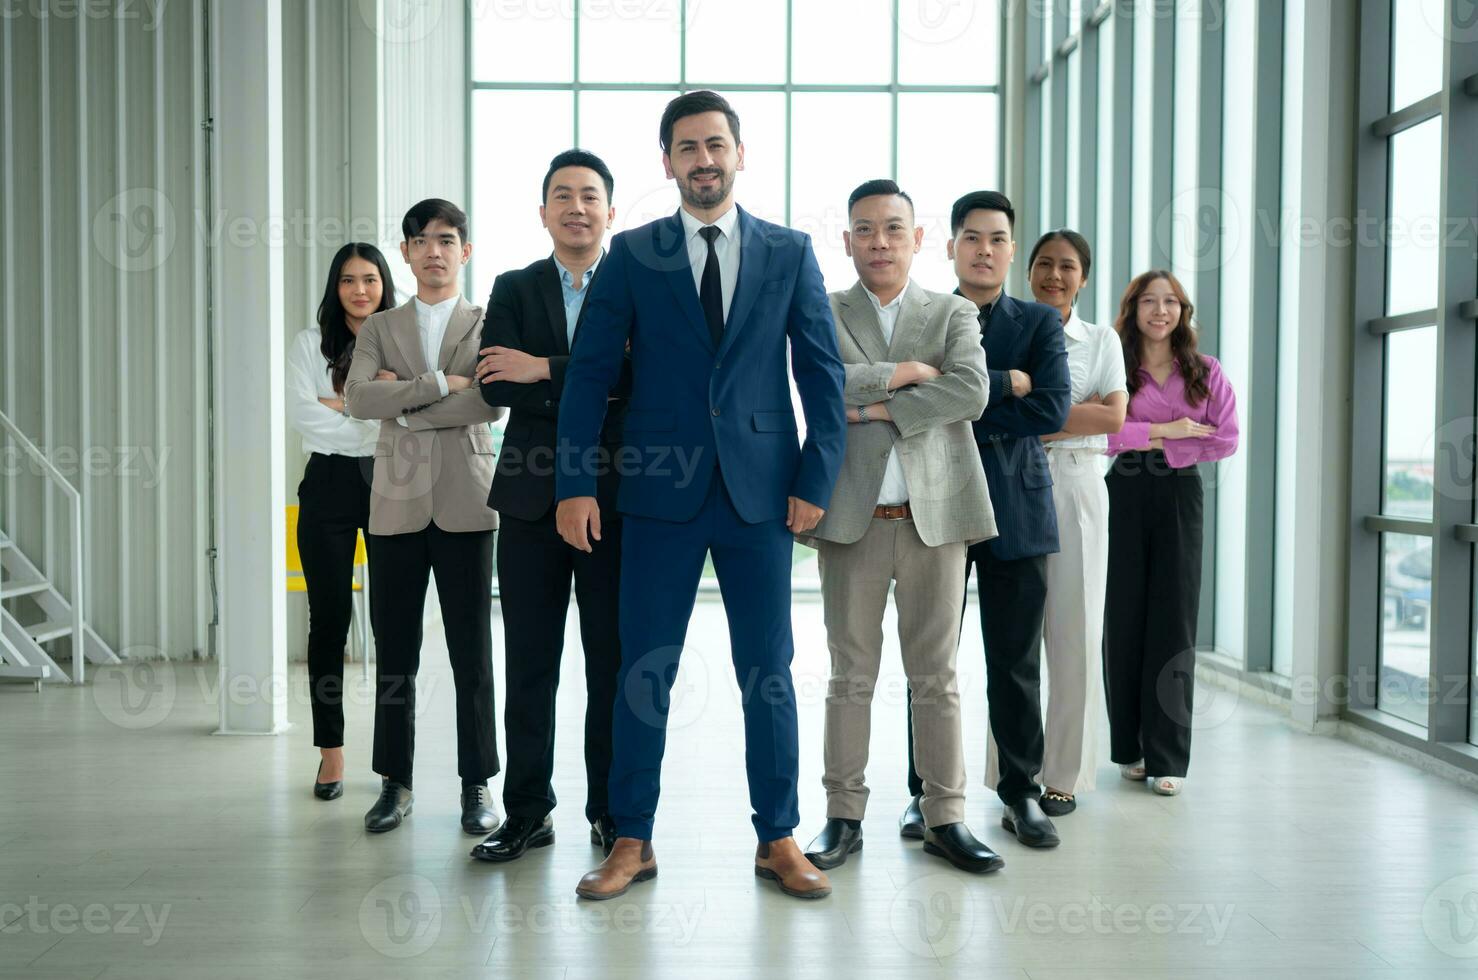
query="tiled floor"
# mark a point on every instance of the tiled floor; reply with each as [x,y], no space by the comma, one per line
[135,844]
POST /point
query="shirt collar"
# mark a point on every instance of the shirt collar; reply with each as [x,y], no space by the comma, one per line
[445,306]
[568,278]
[727,223]
[895,304]
[1075,328]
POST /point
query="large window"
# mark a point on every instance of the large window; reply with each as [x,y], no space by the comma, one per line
[829,93]
[1412,469]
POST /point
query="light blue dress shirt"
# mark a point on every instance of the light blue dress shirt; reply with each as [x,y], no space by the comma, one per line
[574,298]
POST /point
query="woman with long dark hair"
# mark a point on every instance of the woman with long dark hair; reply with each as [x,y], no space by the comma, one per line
[1057,272]
[1181,412]
[334,497]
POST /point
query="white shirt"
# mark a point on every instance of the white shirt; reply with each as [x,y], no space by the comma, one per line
[432,321]
[895,487]
[725,247]
[323,429]
[1095,359]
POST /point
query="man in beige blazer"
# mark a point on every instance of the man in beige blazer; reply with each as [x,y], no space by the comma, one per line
[910,499]
[412,369]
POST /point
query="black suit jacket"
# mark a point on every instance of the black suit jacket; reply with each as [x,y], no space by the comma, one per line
[526,312]
[1024,337]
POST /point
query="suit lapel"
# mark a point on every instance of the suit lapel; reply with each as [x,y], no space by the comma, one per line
[752,261]
[860,321]
[552,293]
[463,319]
[912,317]
[670,238]
[408,336]
[1005,324]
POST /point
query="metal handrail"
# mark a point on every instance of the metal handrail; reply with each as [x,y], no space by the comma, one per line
[79,640]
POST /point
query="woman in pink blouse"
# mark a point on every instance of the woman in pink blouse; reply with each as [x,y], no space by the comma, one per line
[1181,412]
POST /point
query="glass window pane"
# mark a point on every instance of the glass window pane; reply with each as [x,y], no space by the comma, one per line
[726,48]
[522,42]
[842,42]
[1415,229]
[1417,27]
[760,186]
[506,175]
[1142,145]
[1405,630]
[1074,148]
[621,128]
[1109,136]
[948,43]
[1410,419]
[821,178]
[1045,170]
[626,42]
[934,179]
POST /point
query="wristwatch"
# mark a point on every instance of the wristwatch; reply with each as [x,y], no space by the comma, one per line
[862,414]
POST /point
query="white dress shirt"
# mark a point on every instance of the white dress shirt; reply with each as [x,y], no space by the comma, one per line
[1095,359]
[323,429]
[894,490]
[725,247]
[432,321]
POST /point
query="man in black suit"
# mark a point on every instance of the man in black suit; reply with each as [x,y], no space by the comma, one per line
[1030,394]
[533,320]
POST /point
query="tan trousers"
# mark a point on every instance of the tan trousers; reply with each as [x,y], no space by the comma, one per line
[929,594]
[1072,634]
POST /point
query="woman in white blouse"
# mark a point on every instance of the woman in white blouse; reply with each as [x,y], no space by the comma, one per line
[334,497]
[1077,574]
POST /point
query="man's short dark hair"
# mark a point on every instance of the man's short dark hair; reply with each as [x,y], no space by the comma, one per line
[980,201]
[433,209]
[580,158]
[692,104]
[881,187]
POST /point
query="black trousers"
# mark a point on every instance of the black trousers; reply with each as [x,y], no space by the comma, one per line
[463,564]
[535,567]
[1154,591]
[333,504]
[1013,595]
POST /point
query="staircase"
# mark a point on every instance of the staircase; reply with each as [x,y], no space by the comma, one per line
[34,615]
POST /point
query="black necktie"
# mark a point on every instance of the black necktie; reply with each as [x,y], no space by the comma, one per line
[711,293]
[984,317]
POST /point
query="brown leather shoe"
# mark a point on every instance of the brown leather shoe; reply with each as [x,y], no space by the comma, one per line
[782,862]
[629,862]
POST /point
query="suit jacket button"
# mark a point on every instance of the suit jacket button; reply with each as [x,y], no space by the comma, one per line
[547,403]
[715,413]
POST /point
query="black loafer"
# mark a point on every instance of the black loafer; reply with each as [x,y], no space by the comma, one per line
[837,839]
[1056,804]
[1025,819]
[603,833]
[911,824]
[517,835]
[478,815]
[955,843]
[327,791]
[393,806]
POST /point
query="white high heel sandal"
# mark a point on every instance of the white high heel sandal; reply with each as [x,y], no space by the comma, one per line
[1167,785]
[1133,771]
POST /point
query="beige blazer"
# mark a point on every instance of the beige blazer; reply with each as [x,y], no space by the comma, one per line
[439,465]
[931,421]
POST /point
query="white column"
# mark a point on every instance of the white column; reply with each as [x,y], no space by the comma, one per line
[246,241]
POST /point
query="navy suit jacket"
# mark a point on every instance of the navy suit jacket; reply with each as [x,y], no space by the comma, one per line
[1024,337]
[694,409]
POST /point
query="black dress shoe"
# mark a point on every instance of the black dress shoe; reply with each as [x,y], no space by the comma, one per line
[516,836]
[911,824]
[1025,819]
[1056,804]
[478,815]
[837,839]
[955,843]
[327,791]
[603,833]
[393,806]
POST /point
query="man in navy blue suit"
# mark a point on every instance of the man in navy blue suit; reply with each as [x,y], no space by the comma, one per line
[1030,394]
[707,300]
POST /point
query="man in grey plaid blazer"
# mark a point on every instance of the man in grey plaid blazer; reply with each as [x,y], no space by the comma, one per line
[911,498]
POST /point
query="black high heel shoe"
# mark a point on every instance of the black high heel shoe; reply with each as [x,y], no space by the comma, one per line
[327,791]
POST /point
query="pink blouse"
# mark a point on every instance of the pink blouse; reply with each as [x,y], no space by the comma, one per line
[1155,403]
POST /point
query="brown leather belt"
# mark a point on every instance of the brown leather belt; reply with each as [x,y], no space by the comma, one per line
[892,512]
